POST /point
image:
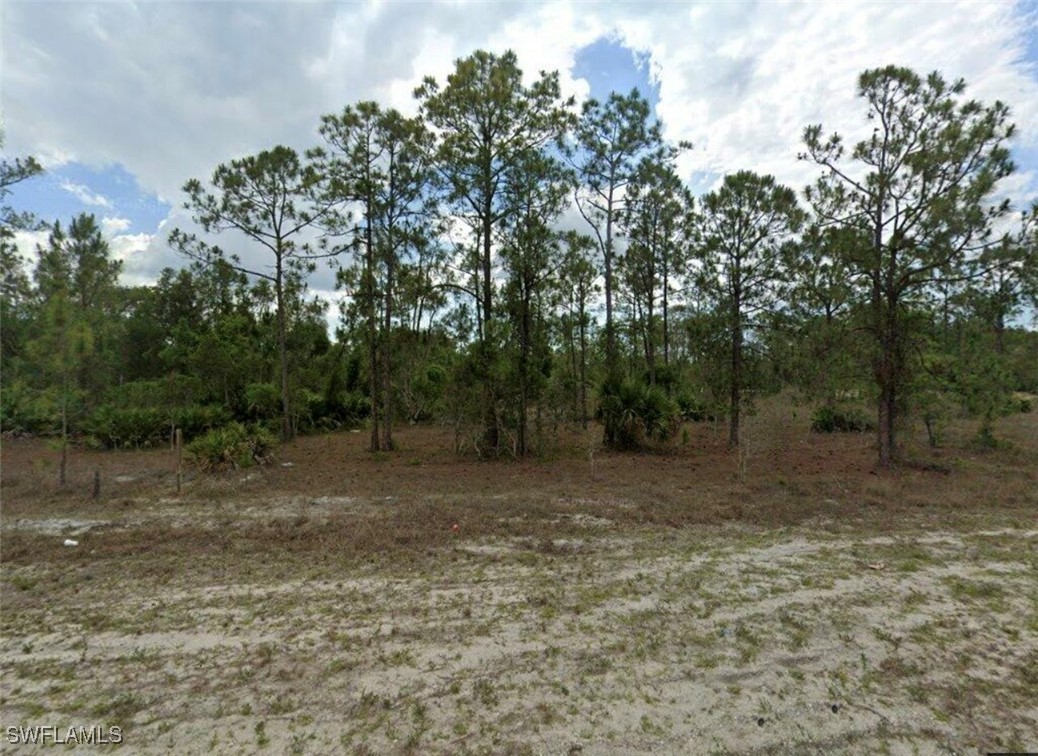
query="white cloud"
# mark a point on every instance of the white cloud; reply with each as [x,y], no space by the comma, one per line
[137,252]
[132,251]
[173,89]
[548,39]
[52,157]
[27,242]
[113,226]
[85,195]
[1020,188]
[742,82]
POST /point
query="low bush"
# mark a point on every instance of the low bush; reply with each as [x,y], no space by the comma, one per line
[173,391]
[695,410]
[23,410]
[634,412]
[232,446]
[263,401]
[307,409]
[345,409]
[133,427]
[196,419]
[836,419]
[123,428]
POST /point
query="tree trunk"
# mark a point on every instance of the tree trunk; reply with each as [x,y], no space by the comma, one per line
[736,396]
[891,360]
[608,260]
[886,425]
[279,290]
[491,434]
[888,374]
[574,368]
[931,430]
[1000,331]
[524,368]
[488,272]
[521,441]
[666,333]
[650,344]
[387,334]
[64,431]
[373,380]
[583,367]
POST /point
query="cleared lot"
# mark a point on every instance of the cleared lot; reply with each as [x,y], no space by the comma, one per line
[673,613]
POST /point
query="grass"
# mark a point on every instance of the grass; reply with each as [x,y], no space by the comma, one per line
[664,600]
[121,707]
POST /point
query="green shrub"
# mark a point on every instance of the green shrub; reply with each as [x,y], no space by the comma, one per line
[668,377]
[634,412]
[232,446]
[172,391]
[307,410]
[424,393]
[134,427]
[695,410]
[346,408]
[123,428]
[836,419]
[195,419]
[263,401]
[23,410]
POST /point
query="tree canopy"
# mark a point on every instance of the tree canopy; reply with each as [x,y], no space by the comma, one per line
[507,262]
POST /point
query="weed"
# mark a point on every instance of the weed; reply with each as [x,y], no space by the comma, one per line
[977,590]
[649,727]
[483,692]
[281,705]
[262,739]
[401,657]
[340,664]
[22,582]
[120,708]
[546,713]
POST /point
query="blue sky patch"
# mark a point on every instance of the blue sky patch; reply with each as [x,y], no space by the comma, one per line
[609,66]
[606,64]
[1030,11]
[63,192]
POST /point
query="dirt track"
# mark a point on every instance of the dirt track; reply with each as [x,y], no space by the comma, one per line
[667,603]
[732,640]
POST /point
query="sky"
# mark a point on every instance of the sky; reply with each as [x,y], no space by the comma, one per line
[125,101]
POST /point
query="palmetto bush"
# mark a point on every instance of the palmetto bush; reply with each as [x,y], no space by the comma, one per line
[634,412]
[124,428]
[135,427]
[231,447]
[837,419]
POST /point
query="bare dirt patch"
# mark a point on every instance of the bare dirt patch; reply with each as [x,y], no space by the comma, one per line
[333,606]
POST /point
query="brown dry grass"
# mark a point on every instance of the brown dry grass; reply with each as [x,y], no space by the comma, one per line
[571,600]
[407,501]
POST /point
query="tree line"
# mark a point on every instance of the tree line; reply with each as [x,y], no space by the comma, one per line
[509,262]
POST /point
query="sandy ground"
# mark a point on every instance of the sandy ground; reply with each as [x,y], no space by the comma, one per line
[793,599]
[729,639]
